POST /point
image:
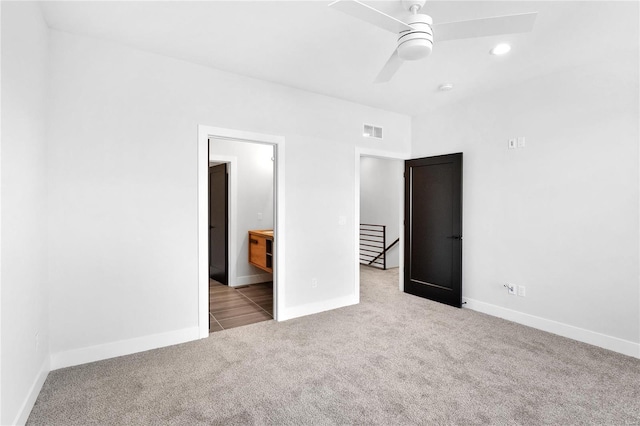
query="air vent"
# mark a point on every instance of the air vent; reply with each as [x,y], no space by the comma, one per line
[370,131]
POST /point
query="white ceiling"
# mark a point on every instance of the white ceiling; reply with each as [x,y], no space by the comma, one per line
[307,45]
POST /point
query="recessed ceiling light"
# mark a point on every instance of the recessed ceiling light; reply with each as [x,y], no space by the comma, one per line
[445,87]
[500,49]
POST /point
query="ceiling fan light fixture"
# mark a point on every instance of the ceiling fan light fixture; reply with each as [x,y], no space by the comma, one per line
[416,43]
[500,49]
[416,31]
[413,50]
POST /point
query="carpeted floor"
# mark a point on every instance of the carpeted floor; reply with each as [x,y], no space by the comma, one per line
[393,359]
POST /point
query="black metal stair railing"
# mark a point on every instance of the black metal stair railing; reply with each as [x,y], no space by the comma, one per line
[373,248]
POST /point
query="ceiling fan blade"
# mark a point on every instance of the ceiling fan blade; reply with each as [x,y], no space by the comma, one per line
[390,68]
[508,24]
[369,14]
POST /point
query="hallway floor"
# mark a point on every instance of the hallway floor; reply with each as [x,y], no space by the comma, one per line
[231,307]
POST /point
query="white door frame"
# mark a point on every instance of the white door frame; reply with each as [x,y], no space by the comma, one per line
[384,155]
[204,133]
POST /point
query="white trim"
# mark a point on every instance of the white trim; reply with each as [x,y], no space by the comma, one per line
[385,155]
[203,249]
[279,230]
[317,307]
[32,395]
[204,133]
[252,279]
[1,222]
[615,344]
[232,208]
[122,347]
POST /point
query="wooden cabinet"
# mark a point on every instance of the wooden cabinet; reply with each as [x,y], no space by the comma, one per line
[261,249]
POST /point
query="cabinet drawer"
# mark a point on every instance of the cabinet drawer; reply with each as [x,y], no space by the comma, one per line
[258,250]
[261,249]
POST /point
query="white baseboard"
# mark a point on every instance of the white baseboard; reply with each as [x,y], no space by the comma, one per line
[615,344]
[32,395]
[252,279]
[122,347]
[316,307]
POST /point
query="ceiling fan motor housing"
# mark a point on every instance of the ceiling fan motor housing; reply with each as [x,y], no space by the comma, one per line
[416,43]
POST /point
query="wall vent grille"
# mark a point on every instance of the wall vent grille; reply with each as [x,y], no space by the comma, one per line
[370,131]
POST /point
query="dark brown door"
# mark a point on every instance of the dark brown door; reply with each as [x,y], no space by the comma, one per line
[433,228]
[218,221]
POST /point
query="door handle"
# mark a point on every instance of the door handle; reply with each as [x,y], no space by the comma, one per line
[456,237]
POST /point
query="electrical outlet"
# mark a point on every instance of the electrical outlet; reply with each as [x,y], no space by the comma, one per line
[512,143]
[314,282]
[522,291]
[511,288]
[259,216]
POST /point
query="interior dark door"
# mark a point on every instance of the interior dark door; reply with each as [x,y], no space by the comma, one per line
[433,228]
[218,221]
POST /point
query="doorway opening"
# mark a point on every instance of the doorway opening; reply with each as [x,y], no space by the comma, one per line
[245,171]
[241,295]
[380,211]
[219,221]
[379,202]
[430,212]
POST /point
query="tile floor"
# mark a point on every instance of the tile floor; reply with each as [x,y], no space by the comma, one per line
[234,307]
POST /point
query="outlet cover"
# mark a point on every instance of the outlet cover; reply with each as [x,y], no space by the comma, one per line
[522,291]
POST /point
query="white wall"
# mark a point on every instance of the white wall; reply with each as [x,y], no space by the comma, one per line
[559,216]
[23,366]
[254,208]
[123,191]
[381,185]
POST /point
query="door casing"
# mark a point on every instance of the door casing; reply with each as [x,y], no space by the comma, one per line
[204,134]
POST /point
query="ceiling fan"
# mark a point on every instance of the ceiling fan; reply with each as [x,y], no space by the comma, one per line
[416,36]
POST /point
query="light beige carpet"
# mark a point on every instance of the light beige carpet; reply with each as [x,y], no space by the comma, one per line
[393,359]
